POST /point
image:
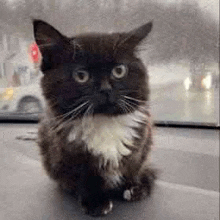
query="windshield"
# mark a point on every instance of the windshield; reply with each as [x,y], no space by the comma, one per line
[181,53]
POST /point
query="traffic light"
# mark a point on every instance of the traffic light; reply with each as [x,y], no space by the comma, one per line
[34,53]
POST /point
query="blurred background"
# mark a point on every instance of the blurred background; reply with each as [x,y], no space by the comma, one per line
[182,51]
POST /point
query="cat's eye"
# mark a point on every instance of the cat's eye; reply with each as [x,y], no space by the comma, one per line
[119,71]
[81,76]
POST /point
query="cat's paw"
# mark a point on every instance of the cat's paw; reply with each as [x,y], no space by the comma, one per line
[134,194]
[127,195]
[98,209]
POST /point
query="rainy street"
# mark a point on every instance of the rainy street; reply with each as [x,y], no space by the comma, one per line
[174,103]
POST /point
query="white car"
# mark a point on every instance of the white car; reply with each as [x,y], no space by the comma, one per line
[23,99]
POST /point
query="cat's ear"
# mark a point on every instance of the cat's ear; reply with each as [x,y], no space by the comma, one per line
[134,37]
[50,43]
[142,32]
[45,35]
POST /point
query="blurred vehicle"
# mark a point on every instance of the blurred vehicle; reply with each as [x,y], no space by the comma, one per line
[7,94]
[23,99]
[202,79]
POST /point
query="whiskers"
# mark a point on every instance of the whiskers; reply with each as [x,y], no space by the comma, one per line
[89,112]
[62,121]
[134,99]
[129,104]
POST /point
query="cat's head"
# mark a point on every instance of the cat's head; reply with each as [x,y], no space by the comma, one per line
[92,73]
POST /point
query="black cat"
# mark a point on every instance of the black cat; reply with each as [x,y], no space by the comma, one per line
[96,134]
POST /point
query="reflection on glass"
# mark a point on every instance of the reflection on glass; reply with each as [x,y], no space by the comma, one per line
[182,52]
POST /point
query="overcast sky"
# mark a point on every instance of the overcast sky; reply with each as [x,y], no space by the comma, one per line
[210,6]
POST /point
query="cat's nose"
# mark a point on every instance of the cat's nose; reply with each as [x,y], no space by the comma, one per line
[105,85]
[106,92]
[106,96]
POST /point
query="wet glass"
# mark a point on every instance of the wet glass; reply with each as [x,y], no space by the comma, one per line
[182,51]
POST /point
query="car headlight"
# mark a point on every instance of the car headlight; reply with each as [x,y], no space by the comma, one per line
[187,83]
[207,82]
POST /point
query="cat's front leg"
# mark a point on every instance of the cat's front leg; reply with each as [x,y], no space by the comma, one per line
[140,186]
[94,199]
[97,205]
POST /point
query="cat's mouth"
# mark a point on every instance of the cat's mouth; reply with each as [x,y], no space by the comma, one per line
[114,104]
[108,108]
[106,103]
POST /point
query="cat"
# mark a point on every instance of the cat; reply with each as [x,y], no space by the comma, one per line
[96,133]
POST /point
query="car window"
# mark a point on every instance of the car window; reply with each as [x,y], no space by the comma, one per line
[181,53]
[182,57]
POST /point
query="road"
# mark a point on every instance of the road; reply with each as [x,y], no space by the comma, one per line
[173,103]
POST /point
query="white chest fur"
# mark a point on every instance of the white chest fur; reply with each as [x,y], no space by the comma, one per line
[105,135]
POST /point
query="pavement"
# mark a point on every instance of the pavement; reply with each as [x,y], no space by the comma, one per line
[187,188]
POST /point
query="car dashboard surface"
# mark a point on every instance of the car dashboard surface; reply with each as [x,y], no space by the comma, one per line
[187,188]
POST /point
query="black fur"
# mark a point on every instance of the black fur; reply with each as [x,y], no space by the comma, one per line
[92,58]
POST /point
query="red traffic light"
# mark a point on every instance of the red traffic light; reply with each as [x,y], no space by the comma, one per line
[34,53]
